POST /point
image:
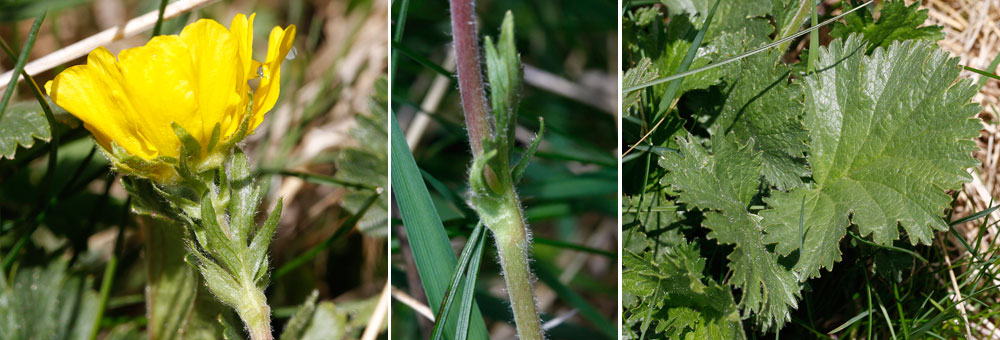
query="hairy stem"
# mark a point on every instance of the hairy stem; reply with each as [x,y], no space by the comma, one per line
[470,76]
[494,197]
[513,242]
[256,313]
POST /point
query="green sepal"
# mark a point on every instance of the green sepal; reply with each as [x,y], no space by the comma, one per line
[194,161]
[213,141]
[146,200]
[261,240]
[241,132]
[190,208]
[522,163]
[160,169]
[190,147]
[245,196]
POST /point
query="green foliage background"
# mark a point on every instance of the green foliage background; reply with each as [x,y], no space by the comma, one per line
[796,191]
[323,147]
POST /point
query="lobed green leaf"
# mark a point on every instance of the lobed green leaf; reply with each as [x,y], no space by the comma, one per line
[896,22]
[20,125]
[723,184]
[676,296]
[889,134]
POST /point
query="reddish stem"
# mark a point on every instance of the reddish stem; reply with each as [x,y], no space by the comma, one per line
[470,76]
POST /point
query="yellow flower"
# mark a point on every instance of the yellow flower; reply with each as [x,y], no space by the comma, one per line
[198,80]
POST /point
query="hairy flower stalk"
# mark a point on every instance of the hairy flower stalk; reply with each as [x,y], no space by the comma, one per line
[170,114]
[491,136]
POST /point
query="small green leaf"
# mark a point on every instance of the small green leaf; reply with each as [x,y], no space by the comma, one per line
[221,283]
[262,239]
[522,163]
[190,147]
[896,22]
[145,199]
[219,244]
[20,126]
[640,73]
[232,328]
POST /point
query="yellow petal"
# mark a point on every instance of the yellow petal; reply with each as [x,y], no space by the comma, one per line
[219,78]
[242,29]
[94,94]
[279,43]
[158,80]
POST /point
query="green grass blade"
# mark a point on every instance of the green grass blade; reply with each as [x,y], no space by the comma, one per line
[397,37]
[992,68]
[463,262]
[606,327]
[432,251]
[849,322]
[889,247]
[348,225]
[981,72]
[21,61]
[108,279]
[469,291]
[159,18]
[448,194]
[318,179]
[420,59]
[574,246]
[813,41]
[975,216]
[675,85]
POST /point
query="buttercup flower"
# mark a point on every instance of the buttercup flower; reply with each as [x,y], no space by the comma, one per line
[197,80]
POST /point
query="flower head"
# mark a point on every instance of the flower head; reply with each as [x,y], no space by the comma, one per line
[139,105]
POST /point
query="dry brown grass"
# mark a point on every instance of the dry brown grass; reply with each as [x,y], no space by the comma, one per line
[972,34]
